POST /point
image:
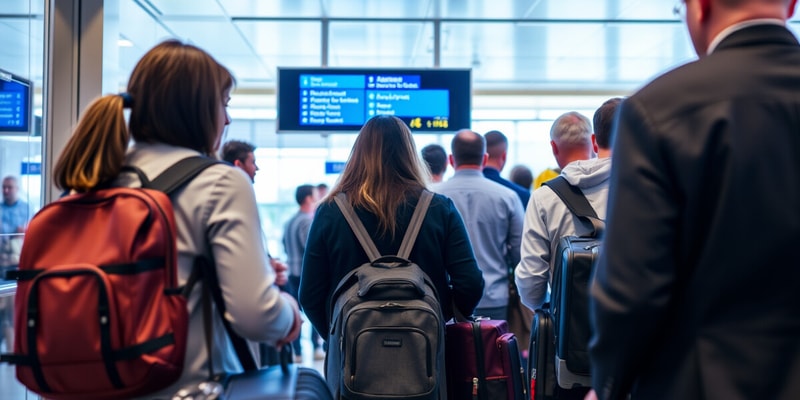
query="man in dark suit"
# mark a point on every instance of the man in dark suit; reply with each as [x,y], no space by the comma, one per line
[696,293]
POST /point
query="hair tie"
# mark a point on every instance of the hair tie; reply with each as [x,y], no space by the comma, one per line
[127,100]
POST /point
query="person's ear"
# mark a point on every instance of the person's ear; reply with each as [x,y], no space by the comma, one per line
[238,163]
[790,11]
[554,147]
[485,159]
[705,10]
[451,160]
[595,147]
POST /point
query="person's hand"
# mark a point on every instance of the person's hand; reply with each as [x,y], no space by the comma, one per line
[591,395]
[281,271]
[294,333]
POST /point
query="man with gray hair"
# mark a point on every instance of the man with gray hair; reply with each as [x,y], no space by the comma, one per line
[547,218]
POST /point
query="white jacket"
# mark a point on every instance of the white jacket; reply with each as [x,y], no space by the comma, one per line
[547,220]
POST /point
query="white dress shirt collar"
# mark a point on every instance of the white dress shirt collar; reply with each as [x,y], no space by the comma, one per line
[739,26]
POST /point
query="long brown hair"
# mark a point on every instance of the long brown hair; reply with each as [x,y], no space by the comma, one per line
[383,170]
[174,93]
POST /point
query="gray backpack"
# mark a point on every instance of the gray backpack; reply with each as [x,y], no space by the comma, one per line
[387,328]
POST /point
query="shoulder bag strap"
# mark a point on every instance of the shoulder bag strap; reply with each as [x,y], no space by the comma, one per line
[415,224]
[573,198]
[357,226]
[172,179]
[211,291]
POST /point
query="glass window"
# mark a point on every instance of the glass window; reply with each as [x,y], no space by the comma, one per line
[21,72]
[21,60]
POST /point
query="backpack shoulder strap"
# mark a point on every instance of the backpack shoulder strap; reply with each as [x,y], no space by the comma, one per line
[357,226]
[574,199]
[180,173]
[172,179]
[415,224]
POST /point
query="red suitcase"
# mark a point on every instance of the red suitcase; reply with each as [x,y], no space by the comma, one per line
[483,361]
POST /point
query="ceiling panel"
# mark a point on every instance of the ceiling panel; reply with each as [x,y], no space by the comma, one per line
[274,8]
[182,8]
[518,45]
[379,9]
[385,44]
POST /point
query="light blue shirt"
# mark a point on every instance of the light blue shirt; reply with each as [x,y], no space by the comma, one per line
[14,216]
[493,216]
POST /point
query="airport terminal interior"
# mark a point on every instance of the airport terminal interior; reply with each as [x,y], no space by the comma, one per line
[529,61]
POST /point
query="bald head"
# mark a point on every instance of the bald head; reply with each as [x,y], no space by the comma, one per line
[468,149]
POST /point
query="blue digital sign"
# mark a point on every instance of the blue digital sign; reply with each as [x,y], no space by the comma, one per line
[15,103]
[331,99]
[327,100]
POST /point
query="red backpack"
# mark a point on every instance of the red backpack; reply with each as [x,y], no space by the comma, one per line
[98,310]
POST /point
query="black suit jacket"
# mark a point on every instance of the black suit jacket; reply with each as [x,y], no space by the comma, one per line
[697,292]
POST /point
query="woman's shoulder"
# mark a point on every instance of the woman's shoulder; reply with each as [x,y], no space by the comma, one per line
[442,203]
[326,212]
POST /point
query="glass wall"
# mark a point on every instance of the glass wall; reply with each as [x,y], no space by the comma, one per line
[21,82]
[529,65]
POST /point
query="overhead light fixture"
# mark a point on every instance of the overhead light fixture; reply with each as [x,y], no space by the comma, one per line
[122,42]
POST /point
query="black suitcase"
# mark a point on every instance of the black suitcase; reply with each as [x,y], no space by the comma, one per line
[279,382]
[541,365]
[574,261]
[570,309]
[541,373]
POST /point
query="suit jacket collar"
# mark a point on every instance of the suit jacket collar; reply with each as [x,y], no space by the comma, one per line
[489,171]
[758,35]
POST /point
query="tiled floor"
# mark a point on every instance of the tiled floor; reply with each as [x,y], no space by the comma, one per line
[10,389]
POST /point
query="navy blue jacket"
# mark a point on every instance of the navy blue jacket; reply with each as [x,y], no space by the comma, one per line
[494,175]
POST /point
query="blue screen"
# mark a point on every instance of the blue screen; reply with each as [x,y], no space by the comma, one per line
[321,99]
[15,103]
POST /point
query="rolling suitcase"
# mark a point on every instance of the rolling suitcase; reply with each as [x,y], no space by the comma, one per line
[283,381]
[541,362]
[575,258]
[287,382]
[483,361]
[542,375]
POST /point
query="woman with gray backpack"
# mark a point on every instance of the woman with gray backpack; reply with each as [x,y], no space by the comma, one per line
[378,281]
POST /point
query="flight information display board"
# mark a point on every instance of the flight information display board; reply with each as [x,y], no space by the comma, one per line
[331,100]
[15,103]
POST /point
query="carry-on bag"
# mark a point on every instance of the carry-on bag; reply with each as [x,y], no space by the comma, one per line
[283,381]
[273,383]
[541,368]
[99,313]
[541,353]
[483,361]
[289,382]
[575,258]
